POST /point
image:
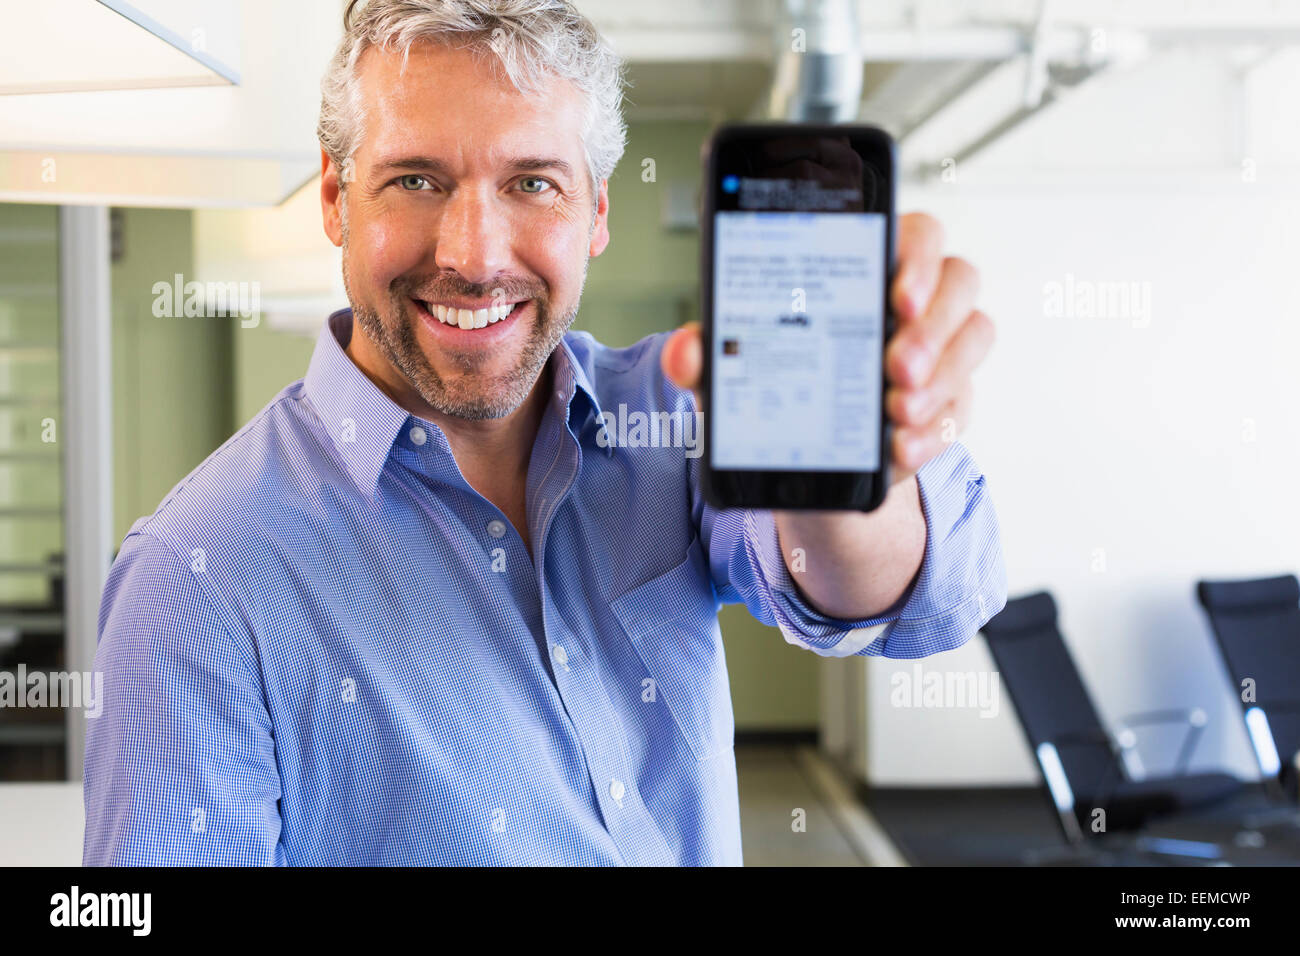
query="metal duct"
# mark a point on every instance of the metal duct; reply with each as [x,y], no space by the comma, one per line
[818,70]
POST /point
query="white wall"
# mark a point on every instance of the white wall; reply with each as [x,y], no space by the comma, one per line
[1105,433]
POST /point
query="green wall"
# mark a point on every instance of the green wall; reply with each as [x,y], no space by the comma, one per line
[265,362]
[172,377]
[646,280]
[31,491]
[172,394]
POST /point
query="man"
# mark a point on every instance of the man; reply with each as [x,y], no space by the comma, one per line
[420,609]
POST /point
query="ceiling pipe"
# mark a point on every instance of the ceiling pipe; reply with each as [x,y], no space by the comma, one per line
[817,75]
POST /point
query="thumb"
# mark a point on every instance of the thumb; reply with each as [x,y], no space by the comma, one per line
[682,358]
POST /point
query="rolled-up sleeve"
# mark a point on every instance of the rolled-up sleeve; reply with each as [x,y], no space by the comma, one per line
[960,586]
[180,765]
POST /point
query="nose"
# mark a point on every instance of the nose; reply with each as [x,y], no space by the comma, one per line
[473,235]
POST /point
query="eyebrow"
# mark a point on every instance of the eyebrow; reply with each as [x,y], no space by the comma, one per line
[522,164]
[515,164]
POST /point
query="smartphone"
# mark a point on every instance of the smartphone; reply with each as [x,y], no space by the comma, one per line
[798,257]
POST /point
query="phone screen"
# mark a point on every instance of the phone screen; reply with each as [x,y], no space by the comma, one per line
[798,306]
[800,269]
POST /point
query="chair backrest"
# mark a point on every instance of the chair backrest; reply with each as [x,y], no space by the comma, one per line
[1048,694]
[1257,625]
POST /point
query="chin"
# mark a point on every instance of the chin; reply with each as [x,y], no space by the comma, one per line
[479,402]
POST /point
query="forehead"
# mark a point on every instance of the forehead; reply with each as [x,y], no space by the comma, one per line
[455,103]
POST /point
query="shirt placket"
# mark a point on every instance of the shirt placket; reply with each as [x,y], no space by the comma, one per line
[577,678]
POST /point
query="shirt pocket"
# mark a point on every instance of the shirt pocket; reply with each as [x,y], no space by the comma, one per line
[672,621]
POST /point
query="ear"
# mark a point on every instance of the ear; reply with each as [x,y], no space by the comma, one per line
[331,197]
[600,231]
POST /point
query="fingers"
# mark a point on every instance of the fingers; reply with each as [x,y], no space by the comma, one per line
[965,351]
[920,342]
[915,445]
[939,341]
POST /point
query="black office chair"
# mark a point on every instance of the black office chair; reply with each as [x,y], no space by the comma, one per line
[1085,767]
[1257,625]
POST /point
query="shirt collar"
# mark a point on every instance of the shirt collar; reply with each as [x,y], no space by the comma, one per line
[363,422]
[570,380]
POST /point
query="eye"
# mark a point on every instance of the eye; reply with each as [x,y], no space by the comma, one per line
[534,179]
[411,182]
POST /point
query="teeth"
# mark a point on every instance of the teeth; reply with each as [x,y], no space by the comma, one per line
[469,318]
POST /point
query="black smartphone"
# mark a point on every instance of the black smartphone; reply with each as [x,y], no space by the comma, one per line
[798,257]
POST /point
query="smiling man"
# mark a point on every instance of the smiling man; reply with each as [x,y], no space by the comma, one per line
[418,610]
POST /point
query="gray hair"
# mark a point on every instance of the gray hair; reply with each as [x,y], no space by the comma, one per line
[530,39]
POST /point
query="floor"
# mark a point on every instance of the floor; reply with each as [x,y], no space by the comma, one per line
[796,810]
[773,786]
[968,827]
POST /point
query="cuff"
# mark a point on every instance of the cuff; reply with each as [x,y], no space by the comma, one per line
[800,623]
[961,583]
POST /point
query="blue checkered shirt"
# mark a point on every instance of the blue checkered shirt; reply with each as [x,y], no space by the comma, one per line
[325,647]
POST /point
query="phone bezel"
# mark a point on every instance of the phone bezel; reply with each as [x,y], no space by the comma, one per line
[802,489]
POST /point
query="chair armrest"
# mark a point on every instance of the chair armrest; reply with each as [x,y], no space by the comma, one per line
[1194,717]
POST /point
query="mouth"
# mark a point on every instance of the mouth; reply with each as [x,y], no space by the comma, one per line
[470,324]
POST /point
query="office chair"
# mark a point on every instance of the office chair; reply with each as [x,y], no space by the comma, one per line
[1084,767]
[1257,627]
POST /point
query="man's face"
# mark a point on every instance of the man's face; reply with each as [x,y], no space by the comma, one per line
[466,195]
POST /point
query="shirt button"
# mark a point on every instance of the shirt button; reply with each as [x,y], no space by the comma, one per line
[616,791]
[418,436]
[561,654]
[496,528]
